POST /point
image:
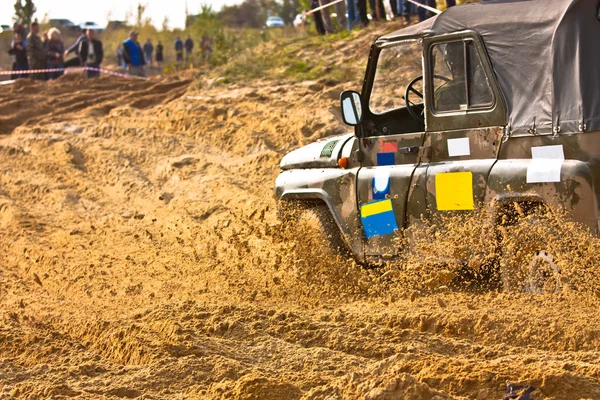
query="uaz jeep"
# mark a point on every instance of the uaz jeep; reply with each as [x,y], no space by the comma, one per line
[489,103]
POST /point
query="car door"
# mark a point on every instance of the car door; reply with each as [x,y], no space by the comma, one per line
[465,124]
[391,145]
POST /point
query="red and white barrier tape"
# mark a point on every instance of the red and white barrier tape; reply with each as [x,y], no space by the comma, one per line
[314,10]
[433,10]
[67,70]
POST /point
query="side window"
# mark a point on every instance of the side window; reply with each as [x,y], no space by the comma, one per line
[459,79]
[480,91]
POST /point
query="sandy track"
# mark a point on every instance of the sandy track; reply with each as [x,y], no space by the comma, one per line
[142,257]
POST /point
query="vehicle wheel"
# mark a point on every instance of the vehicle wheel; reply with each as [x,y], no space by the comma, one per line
[316,231]
[526,262]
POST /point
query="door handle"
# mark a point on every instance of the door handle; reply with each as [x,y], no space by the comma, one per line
[408,150]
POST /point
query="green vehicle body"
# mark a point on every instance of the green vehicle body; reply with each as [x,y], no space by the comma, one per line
[494,156]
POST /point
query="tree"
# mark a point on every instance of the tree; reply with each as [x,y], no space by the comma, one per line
[141,20]
[289,9]
[24,12]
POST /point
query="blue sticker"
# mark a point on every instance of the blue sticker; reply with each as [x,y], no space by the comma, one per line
[386,159]
[378,218]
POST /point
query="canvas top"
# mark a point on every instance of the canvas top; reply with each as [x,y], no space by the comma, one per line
[545,55]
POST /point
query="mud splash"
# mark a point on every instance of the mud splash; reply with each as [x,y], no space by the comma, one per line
[142,255]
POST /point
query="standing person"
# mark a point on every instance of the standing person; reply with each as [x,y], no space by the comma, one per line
[91,54]
[317,15]
[35,51]
[74,48]
[207,47]
[54,49]
[120,56]
[159,53]
[423,13]
[340,11]
[148,49]
[405,10]
[378,10]
[361,6]
[326,16]
[133,55]
[17,49]
[189,46]
[179,49]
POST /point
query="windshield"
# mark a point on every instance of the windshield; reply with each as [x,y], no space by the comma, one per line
[397,66]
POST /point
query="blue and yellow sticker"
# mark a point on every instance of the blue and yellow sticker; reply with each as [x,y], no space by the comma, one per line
[378,218]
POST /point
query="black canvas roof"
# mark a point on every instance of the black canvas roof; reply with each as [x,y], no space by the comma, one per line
[545,53]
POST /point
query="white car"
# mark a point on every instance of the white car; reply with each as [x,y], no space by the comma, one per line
[92,25]
[5,28]
[275,22]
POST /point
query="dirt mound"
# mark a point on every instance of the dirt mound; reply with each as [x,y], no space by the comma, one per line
[73,97]
[143,256]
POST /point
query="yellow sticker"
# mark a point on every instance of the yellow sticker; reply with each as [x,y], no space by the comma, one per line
[454,191]
[377,207]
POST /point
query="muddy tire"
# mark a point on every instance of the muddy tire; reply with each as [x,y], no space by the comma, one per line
[526,262]
[315,230]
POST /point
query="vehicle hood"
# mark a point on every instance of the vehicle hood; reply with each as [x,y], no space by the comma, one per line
[321,154]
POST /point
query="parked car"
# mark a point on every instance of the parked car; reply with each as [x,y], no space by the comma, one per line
[459,112]
[116,25]
[64,24]
[275,22]
[91,25]
[5,28]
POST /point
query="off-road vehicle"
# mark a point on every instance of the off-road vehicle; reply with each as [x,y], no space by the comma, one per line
[489,104]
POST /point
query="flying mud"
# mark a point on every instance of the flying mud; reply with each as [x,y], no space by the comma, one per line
[142,255]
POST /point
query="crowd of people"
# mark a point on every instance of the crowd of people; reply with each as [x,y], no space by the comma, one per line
[350,13]
[47,52]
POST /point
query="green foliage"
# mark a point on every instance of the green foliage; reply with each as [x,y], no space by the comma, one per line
[24,12]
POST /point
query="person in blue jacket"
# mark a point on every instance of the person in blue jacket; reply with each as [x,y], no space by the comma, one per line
[179,49]
[133,56]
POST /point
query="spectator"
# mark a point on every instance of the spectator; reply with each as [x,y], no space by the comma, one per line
[424,13]
[450,3]
[189,46]
[133,55]
[91,54]
[35,51]
[54,49]
[361,6]
[404,8]
[326,16]
[74,48]
[318,19]
[148,50]
[17,49]
[394,7]
[377,10]
[120,56]
[179,49]
[159,53]
[207,47]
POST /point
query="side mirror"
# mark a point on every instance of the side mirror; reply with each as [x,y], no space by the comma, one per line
[351,107]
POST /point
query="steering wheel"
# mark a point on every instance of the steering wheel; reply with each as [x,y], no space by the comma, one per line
[411,106]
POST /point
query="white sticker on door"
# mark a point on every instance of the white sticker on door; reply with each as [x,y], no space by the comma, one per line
[545,164]
[459,147]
